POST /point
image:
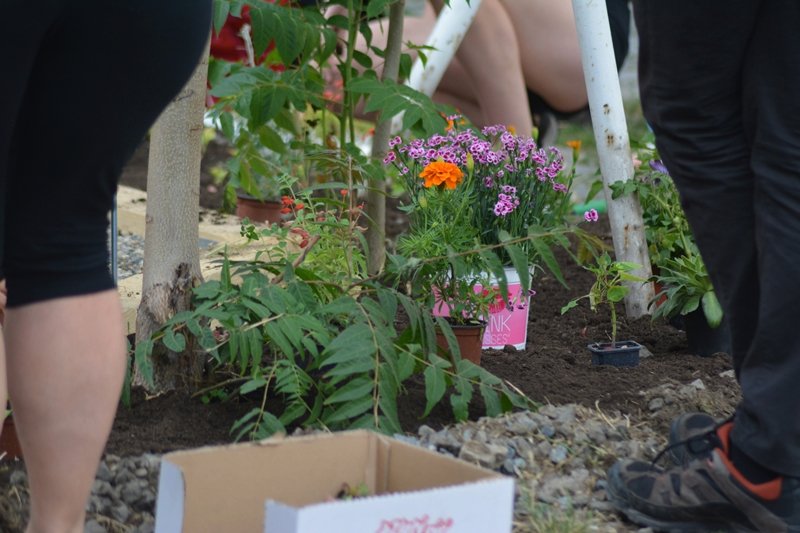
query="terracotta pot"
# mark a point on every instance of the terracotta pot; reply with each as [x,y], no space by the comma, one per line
[620,353]
[257,210]
[659,289]
[9,444]
[469,338]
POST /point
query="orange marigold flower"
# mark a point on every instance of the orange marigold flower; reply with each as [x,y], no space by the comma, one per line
[299,205]
[343,192]
[449,124]
[287,201]
[285,210]
[441,173]
[575,144]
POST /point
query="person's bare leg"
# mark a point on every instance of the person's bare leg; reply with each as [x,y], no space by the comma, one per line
[66,362]
[489,54]
[484,80]
[551,55]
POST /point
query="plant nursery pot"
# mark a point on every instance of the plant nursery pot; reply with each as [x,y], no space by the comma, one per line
[504,325]
[469,338]
[659,289]
[620,353]
[703,339]
[257,210]
[9,444]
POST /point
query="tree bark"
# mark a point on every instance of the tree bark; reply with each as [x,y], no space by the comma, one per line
[171,251]
[376,194]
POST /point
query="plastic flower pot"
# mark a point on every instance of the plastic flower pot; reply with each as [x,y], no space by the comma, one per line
[704,340]
[620,353]
[469,338]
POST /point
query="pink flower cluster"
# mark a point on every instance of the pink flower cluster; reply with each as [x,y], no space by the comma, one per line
[505,204]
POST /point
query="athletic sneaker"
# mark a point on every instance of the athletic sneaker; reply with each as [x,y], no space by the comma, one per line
[688,437]
[707,494]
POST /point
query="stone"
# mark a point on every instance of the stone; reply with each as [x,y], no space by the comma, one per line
[698,384]
[656,404]
[104,472]
[728,374]
[487,455]
[565,415]
[425,432]
[522,425]
[543,449]
[446,440]
[131,492]
[548,431]
[93,526]
[595,431]
[558,454]
[18,477]
[120,512]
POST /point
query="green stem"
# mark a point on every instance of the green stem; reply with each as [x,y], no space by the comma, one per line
[613,323]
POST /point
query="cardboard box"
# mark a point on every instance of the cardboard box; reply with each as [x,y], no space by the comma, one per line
[285,486]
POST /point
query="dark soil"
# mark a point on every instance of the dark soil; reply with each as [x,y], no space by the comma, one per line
[555,367]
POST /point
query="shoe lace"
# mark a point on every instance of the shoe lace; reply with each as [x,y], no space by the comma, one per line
[697,444]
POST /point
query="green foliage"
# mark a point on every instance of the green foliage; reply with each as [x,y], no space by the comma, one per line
[331,352]
[275,114]
[677,264]
[666,228]
[609,287]
[390,98]
[687,287]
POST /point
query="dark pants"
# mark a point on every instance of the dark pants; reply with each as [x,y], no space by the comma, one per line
[720,85]
[81,83]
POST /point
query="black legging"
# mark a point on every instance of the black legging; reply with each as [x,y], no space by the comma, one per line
[81,83]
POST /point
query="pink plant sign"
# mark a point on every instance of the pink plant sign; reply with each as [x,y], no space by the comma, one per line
[416,525]
[505,324]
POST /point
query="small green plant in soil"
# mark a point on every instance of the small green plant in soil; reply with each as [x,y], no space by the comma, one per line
[609,287]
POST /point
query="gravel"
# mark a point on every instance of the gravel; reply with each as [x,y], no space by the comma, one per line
[130,255]
[558,455]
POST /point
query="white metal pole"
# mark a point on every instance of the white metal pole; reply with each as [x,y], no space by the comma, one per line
[613,144]
[448,32]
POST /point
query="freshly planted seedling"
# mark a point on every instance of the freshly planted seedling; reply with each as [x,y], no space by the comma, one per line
[609,287]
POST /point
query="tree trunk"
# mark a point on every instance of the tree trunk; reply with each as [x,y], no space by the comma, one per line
[613,146]
[376,194]
[171,251]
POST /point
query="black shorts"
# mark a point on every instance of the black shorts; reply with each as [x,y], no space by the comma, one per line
[82,82]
